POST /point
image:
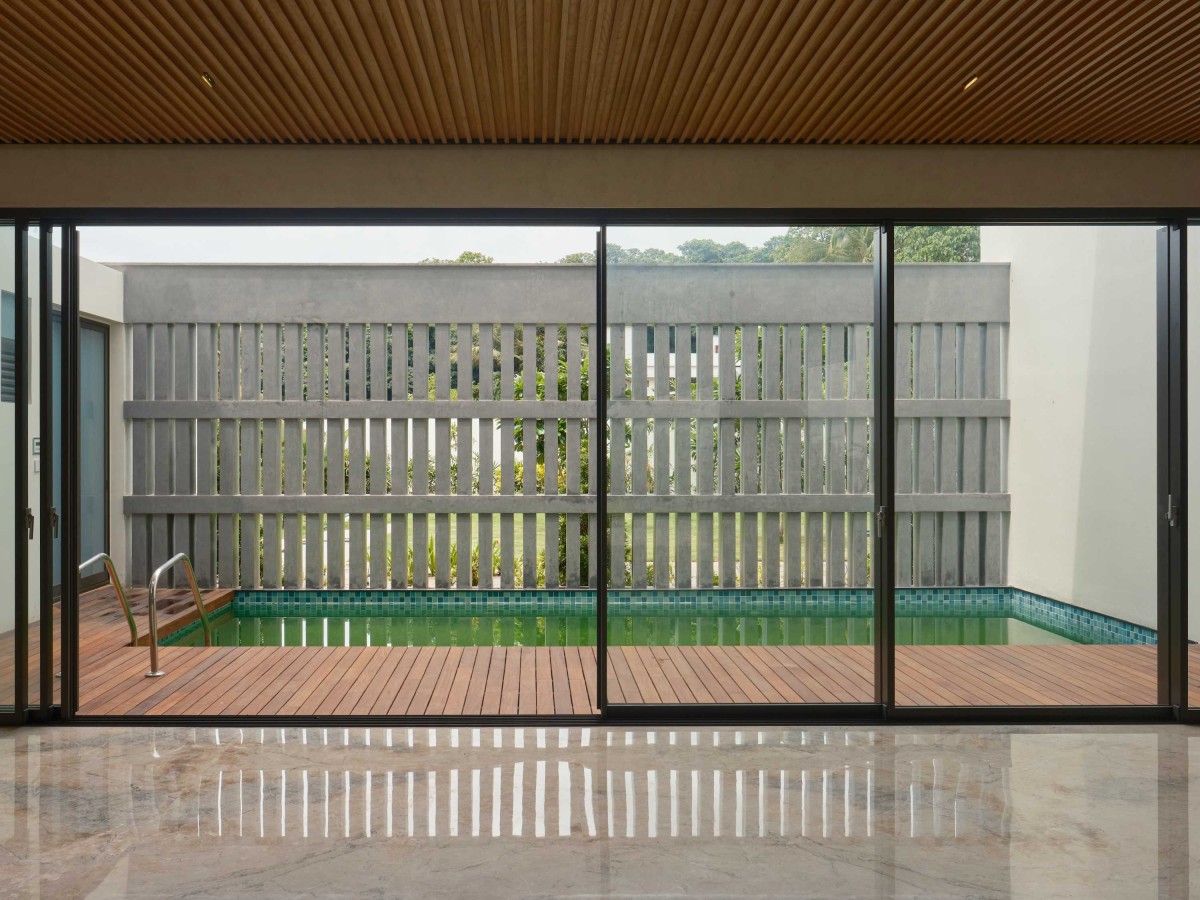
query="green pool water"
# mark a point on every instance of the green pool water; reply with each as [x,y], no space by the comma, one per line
[533,630]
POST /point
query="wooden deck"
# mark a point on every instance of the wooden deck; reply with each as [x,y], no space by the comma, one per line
[432,681]
[103,630]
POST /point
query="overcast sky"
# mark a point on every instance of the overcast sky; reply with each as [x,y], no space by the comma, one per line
[377,244]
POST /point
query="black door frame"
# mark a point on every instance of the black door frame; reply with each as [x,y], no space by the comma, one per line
[20,510]
[1172,409]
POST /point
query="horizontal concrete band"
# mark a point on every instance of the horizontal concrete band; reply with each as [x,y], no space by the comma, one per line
[653,178]
[556,409]
[192,504]
[775,294]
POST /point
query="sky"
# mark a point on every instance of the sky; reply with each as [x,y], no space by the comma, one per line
[377,244]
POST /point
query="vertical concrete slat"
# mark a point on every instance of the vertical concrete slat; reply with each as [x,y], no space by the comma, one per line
[314,458]
[335,457]
[420,455]
[250,460]
[400,422]
[293,476]
[357,455]
[272,456]
[529,529]
[204,533]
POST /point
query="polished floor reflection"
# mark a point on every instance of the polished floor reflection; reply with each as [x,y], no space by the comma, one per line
[846,812]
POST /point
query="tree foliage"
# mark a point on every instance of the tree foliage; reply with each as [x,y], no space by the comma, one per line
[808,244]
[466,258]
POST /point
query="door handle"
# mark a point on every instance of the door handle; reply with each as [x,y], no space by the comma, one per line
[54,521]
[29,520]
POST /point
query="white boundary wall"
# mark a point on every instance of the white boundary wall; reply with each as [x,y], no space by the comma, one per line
[1082,383]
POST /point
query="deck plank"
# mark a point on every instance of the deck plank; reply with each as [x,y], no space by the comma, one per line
[457,698]
[510,696]
[412,679]
[527,666]
[474,697]
[543,682]
[560,682]
[577,684]
[695,685]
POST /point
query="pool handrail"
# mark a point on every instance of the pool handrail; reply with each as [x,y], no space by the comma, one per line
[116,583]
[155,671]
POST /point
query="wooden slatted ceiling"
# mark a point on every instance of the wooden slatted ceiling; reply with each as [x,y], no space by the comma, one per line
[786,71]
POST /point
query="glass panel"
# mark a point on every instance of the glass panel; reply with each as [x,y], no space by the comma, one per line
[1026,467]
[740,497]
[45,473]
[11,542]
[93,439]
[377,438]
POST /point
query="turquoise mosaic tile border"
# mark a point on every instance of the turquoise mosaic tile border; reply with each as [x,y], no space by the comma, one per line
[1061,618]
[984,601]
[1078,624]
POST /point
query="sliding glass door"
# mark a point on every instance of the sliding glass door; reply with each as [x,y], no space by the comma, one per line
[14,548]
[740,507]
[412,458]
[1026,466]
[30,653]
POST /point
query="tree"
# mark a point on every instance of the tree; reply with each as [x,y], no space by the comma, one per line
[809,244]
[937,243]
[466,258]
[704,250]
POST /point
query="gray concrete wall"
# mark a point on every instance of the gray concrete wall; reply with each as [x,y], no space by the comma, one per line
[559,293]
[600,177]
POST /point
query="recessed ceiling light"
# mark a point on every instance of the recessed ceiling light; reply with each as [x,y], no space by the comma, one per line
[970,82]
[208,80]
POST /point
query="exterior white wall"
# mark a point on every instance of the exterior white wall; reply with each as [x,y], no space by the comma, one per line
[102,293]
[1081,374]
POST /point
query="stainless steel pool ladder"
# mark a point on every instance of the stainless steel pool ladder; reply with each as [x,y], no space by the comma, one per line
[155,671]
[116,583]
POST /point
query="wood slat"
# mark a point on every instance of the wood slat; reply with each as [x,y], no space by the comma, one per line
[673,71]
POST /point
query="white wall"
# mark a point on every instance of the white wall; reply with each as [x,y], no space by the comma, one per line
[1081,371]
[102,294]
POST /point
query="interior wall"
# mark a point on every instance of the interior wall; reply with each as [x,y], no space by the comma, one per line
[1082,378]
[599,176]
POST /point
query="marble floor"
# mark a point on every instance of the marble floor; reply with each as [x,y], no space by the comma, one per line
[583,812]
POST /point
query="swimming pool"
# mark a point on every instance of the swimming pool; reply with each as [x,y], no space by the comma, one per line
[561,630]
[792,617]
